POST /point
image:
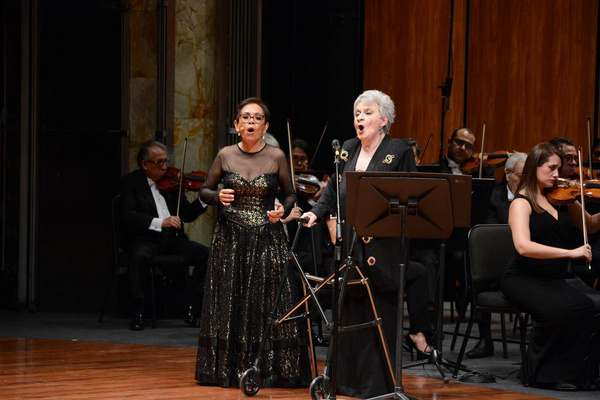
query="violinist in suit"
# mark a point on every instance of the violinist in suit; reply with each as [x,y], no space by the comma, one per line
[460,149]
[151,226]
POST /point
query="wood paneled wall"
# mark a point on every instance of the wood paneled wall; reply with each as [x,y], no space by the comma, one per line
[530,72]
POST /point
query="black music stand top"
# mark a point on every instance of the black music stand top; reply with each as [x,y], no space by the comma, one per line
[435,203]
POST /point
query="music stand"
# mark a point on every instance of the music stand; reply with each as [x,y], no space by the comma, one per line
[401,205]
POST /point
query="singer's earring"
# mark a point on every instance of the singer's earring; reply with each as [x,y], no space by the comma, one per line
[239,134]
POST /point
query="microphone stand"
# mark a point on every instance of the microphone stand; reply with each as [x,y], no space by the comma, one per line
[446,91]
[337,256]
[446,86]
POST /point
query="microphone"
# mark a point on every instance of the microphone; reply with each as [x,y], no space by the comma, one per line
[336,146]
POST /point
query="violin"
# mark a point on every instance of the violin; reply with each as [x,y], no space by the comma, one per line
[496,159]
[566,191]
[307,185]
[172,180]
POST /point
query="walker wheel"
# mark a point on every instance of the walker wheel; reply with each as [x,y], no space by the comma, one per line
[319,388]
[250,382]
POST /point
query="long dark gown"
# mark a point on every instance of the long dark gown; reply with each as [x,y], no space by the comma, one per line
[362,369]
[246,264]
[564,340]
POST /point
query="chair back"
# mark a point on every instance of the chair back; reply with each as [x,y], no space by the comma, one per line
[490,248]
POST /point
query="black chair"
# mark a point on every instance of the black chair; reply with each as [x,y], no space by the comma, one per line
[490,249]
[120,261]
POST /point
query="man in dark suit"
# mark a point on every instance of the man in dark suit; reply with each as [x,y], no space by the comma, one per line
[497,213]
[152,226]
[460,149]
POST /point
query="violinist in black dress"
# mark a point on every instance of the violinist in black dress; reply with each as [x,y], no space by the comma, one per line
[564,351]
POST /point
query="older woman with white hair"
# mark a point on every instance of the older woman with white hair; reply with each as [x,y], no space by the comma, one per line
[361,363]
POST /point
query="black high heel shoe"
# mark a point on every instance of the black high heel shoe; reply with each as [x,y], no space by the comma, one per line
[421,355]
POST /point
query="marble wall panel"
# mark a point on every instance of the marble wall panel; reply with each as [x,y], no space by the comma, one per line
[195,114]
[143,48]
[142,114]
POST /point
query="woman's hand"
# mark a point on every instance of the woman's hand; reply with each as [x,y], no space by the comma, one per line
[275,215]
[226,196]
[584,252]
[312,219]
[294,215]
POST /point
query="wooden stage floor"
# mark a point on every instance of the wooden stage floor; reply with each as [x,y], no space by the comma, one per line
[59,369]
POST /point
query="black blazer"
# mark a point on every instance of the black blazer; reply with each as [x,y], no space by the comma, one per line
[379,257]
[498,209]
[138,208]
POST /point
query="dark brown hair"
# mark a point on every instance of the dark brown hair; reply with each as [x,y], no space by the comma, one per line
[537,156]
[252,100]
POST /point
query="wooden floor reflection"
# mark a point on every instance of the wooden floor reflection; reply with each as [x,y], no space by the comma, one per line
[56,369]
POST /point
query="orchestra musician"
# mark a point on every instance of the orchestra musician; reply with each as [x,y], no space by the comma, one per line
[247,261]
[362,367]
[149,221]
[497,213]
[568,153]
[460,150]
[570,162]
[563,351]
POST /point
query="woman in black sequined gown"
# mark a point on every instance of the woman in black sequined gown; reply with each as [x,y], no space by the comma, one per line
[247,260]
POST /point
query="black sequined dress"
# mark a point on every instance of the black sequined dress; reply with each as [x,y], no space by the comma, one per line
[246,263]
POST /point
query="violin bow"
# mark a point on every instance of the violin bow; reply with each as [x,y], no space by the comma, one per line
[181,175]
[318,145]
[585,235]
[289,132]
[481,154]
[425,149]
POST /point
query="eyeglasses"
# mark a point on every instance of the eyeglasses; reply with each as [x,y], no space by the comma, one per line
[461,143]
[258,118]
[160,163]
[300,160]
[570,158]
